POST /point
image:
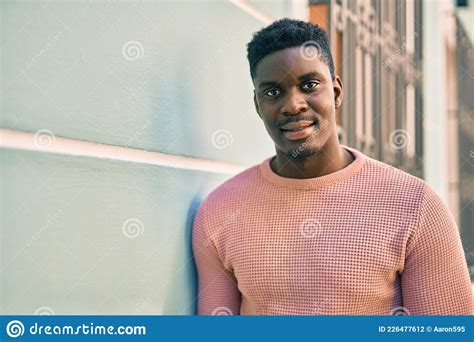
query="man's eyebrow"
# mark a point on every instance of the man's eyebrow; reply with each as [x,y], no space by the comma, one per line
[267,83]
[311,74]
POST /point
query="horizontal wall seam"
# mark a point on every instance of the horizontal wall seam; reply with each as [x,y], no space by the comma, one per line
[45,142]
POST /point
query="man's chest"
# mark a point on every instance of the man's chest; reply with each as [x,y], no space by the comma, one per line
[307,257]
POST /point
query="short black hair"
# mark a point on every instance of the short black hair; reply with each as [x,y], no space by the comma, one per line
[287,33]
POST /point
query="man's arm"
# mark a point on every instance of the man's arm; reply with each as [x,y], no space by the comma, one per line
[218,293]
[435,279]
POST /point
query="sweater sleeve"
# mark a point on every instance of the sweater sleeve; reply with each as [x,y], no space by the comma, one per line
[435,279]
[218,293]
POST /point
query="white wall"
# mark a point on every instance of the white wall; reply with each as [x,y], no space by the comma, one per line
[89,228]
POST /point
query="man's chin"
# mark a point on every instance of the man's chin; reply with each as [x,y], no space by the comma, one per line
[302,152]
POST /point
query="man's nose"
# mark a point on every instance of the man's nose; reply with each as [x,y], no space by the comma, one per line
[295,103]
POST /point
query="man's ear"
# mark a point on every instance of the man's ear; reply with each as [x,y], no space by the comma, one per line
[338,92]
[256,104]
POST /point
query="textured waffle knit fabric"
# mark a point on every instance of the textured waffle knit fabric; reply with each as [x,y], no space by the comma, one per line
[368,239]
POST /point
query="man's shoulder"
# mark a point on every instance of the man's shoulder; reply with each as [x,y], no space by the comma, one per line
[397,191]
[237,187]
[386,174]
[393,185]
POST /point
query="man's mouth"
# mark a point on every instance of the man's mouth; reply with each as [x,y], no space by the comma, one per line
[299,129]
[296,126]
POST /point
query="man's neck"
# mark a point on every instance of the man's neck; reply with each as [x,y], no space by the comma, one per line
[327,160]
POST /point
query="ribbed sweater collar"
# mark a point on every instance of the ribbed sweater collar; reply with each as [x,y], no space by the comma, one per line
[317,182]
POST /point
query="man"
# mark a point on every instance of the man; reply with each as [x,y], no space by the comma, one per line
[321,228]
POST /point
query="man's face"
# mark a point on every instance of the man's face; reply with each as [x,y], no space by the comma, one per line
[297,101]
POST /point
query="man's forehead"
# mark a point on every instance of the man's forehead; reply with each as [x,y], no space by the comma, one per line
[289,62]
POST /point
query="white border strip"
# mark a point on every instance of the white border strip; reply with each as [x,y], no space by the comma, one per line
[29,141]
[253,11]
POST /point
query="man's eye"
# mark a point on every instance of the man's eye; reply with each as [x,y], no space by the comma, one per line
[310,85]
[272,92]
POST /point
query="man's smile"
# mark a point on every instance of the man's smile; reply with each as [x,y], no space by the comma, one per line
[299,130]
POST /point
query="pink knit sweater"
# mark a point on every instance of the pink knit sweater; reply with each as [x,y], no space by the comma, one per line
[366,240]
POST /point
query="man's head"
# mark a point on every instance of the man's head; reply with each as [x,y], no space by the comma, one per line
[295,86]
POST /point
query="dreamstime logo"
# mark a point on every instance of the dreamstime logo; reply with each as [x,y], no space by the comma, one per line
[317,131]
[44,138]
[132,228]
[15,329]
[399,138]
[309,228]
[229,219]
[399,311]
[222,139]
[44,311]
[222,311]
[133,50]
[397,53]
[45,226]
[310,50]
[41,53]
